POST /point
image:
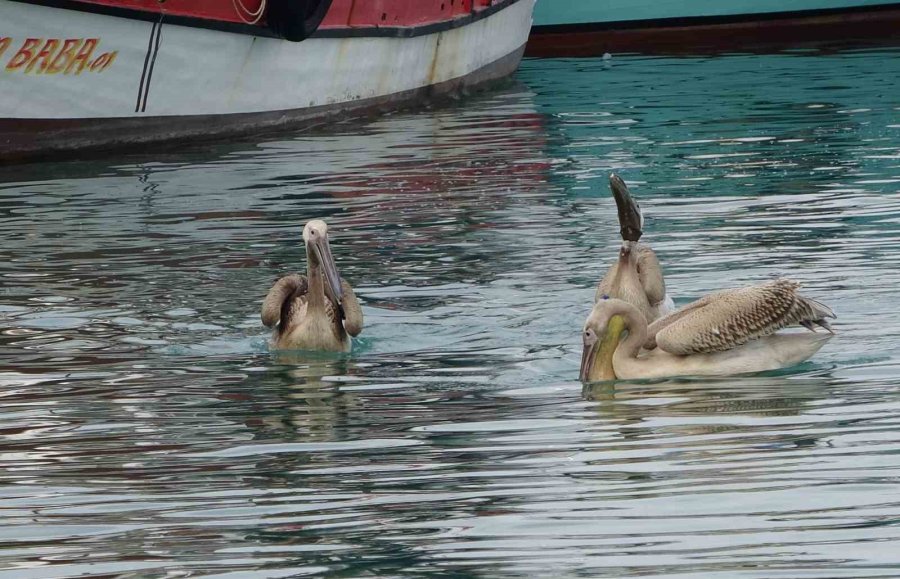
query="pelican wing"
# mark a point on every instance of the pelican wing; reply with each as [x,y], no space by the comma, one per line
[726,319]
[352,313]
[282,295]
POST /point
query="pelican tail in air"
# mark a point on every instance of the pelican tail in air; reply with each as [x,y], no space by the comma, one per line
[318,311]
[727,332]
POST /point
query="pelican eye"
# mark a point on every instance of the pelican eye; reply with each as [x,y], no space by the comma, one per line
[604,297]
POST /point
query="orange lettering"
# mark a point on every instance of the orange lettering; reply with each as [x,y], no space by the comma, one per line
[83,56]
[44,55]
[5,41]
[103,61]
[24,55]
[63,56]
[110,57]
[99,62]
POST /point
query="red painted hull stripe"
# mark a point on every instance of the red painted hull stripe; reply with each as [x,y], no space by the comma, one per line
[367,14]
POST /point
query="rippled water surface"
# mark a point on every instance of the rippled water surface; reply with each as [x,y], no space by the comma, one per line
[146,431]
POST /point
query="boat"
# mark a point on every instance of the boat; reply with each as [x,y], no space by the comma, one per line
[80,75]
[573,28]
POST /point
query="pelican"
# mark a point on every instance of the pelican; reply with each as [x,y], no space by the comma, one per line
[318,311]
[726,332]
[636,277]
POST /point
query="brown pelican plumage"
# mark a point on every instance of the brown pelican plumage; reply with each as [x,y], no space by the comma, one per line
[726,332]
[318,311]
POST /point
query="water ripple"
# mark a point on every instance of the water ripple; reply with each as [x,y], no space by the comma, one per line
[147,430]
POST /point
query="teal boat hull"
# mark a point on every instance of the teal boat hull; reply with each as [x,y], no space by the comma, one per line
[593,27]
[550,12]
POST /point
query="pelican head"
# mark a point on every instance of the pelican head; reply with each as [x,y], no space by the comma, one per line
[602,331]
[318,253]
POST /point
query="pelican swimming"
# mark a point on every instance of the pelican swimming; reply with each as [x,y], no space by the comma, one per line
[636,277]
[727,332]
[315,312]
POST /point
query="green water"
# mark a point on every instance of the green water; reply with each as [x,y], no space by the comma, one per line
[145,430]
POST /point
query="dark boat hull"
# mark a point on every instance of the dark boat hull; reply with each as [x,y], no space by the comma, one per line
[750,32]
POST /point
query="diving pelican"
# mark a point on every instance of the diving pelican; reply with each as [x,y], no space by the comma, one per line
[636,277]
[726,332]
[315,312]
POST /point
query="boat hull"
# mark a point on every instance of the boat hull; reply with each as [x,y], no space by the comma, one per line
[592,27]
[142,82]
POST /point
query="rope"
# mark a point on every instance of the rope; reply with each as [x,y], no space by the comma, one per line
[252,16]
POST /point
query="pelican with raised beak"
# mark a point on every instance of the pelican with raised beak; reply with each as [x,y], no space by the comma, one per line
[318,311]
[726,332]
[635,278]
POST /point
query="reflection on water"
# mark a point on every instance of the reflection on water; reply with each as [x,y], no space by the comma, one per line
[147,431]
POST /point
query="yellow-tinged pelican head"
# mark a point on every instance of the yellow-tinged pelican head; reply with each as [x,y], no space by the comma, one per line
[318,252]
[602,332]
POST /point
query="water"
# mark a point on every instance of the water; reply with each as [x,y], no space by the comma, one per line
[146,430]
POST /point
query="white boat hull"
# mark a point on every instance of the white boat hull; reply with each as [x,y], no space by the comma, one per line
[149,81]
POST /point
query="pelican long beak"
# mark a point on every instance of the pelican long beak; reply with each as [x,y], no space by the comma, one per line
[631,222]
[322,251]
[588,355]
[597,357]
